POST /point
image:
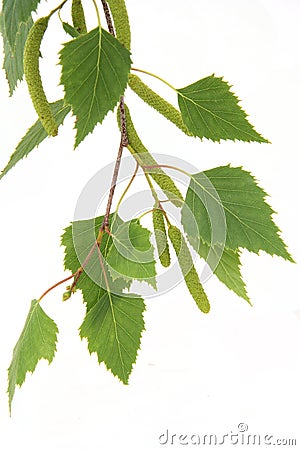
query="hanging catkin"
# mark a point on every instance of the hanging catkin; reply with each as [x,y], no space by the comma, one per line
[161,237]
[188,270]
[78,17]
[33,77]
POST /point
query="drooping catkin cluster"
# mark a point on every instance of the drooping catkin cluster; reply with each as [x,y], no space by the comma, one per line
[78,17]
[161,237]
[188,270]
[144,158]
[121,21]
[157,102]
[33,77]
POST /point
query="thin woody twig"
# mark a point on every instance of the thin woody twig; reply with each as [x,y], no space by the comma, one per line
[105,222]
[124,138]
[56,285]
[123,143]
[108,17]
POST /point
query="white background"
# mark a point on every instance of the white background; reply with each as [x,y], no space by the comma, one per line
[195,373]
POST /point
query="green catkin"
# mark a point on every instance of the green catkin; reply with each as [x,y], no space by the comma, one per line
[143,157]
[121,21]
[157,102]
[161,237]
[188,270]
[33,77]
[78,17]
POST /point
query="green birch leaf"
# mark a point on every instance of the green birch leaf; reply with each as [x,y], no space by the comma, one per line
[225,264]
[70,30]
[131,254]
[13,56]
[16,12]
[113,328]
[95,68]
[35,135]
[125,255]
[248,217]
[37,341]
[78,240]
[209,109]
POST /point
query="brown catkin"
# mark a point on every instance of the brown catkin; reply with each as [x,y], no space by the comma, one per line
[161,237]
[33,77]
[78,17]
[188,270]
[157,102]
[143,157]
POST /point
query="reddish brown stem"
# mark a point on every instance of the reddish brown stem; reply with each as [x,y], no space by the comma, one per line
[56,285]
[84,264]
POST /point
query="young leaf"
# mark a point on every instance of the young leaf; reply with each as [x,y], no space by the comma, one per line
[37,341]
[225,264]
[15,13]
[113,328]
[78,239]
[35,135]
[95,68]
[131,254]
[70,30]
[248,217]
[13,56]
[209,109]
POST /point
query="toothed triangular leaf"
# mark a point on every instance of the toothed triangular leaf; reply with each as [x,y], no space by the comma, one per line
[35,135]
[13,56]
[16,12]
[248,219]
[95,68]
[37,341]
[113,328]
[209,109]
[114,320]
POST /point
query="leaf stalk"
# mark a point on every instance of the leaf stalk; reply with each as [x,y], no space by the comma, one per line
[155,76]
